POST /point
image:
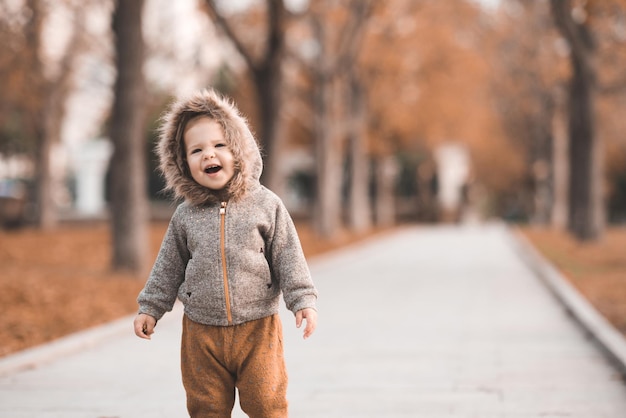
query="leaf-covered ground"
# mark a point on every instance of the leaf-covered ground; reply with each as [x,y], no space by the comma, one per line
[597,270]
[58,282]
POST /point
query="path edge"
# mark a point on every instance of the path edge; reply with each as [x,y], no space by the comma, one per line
[39,355]
[606,336]
[36,356]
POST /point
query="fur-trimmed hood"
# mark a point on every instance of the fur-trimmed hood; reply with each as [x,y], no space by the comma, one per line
[239,138]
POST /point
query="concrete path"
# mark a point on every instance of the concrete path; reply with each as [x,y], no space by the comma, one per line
[425,322]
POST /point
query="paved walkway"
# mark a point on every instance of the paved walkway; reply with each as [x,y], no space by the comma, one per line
[426,322]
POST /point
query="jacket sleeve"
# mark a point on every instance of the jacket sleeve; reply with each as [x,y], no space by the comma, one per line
[288,264]
[168,273]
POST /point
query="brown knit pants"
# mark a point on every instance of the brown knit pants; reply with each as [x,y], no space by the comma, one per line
[249,357]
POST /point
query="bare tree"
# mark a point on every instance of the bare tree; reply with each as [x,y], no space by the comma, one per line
[38,90]
[359,209]
[333,72]
[329,149]
[129,204]
[586,208]
[527,102]
[267,77]
[560,163]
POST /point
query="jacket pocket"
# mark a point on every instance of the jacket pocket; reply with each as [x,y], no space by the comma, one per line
[253,282]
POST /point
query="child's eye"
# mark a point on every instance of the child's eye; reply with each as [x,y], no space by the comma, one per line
[195,151]
[220,145]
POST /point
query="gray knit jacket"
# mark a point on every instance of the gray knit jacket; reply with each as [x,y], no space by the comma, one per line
[226,255]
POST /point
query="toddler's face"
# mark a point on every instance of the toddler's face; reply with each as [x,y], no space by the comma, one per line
[210,161]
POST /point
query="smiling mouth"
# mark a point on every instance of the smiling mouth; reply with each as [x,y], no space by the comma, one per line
[212,169]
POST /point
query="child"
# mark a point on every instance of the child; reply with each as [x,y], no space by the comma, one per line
[230,250]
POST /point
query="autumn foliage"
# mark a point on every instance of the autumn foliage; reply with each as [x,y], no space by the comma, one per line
[370,90]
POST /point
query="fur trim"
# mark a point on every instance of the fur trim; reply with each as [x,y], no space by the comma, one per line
[239,138]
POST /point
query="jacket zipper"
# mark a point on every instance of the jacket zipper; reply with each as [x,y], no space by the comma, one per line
[224,270]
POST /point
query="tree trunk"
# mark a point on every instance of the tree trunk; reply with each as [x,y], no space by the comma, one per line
[44,98]
[360,214]
[386,171]
[46,212]
[560,165]
[328,157]
[586,205]
[586,162]
[268,82]
[49,179]
[338,47]
[129,205]
[268,87]
[426,192]
[541,158]
[37,91]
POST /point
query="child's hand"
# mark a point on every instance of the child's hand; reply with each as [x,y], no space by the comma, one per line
[144,326]
[311,321]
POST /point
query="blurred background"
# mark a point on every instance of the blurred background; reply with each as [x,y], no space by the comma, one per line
[369,113]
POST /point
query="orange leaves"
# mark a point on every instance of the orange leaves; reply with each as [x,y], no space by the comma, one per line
[430,82]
